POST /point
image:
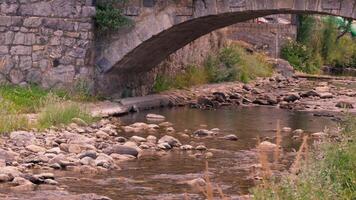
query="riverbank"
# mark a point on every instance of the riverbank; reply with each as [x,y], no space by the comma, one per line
[328,172]
[320,95]
[33,162]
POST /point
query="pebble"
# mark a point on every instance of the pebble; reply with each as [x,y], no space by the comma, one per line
[200,148]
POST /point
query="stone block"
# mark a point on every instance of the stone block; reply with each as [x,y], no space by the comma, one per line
[16,76]
[32,22]
[9,8]
[4,50]
[25,62]
[24,38]
[88,11]
[21,50]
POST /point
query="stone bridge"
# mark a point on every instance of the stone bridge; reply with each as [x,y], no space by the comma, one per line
[163,26]
[53,43]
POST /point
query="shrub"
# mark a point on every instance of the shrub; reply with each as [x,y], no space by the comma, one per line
[232,63]
[301,57]
[56,111]
[109,18]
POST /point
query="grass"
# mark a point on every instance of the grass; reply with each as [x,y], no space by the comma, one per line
[57,112]
[9,119]
[232,63]
[53,107]
[330,175]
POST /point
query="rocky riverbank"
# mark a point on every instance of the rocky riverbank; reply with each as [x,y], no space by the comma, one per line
[29,159]
[324,96]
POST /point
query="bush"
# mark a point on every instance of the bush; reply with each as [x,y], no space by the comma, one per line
[232,63]
[301,57]
[56,111]
[109,18]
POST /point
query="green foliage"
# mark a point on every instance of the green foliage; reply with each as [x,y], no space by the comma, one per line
[333,177]
[23,99]
[57,111]
[109,18]
[317,45]
[232,63]
[306,28]
[301,57]
[10,119]
[29,98]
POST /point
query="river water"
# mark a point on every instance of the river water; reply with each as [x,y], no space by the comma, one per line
[162,176]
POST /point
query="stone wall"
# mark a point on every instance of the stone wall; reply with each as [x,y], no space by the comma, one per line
[267,37]
[46,42]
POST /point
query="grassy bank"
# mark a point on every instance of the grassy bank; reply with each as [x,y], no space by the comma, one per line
[329,175]
[53,107]
[231,63]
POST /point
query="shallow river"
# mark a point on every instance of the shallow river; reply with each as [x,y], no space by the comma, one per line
[162,177]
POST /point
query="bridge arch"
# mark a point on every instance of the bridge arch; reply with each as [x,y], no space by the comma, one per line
[159,32]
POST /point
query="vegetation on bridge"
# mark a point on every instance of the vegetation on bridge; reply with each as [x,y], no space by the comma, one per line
[109,15]
[232,63]
[321,41]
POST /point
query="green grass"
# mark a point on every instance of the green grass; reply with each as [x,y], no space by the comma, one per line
[232,63]
[332,177]
[10,119]
[29,99]
[57,111]
[54,107]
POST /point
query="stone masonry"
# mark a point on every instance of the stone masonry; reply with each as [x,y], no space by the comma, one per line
[46,42]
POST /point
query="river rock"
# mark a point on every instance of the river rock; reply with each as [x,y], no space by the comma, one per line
[287,129]
[310,93]
[231,137]
[151,139]
[326,95]
[22,138]
[198,182]
[121,149]
[55,150]
[291,97]
[104,160]
[75,138]
[87,161]
[203,133]
[50,182]
[137,139]
[201,148]
[298,131]
[186,147]
[267,146]
[35,148]
[5,178]
[121,139]
[89,153]
[165,124]
[11,171]
[173,142]
[101,134]
[344,104]
[164,146]
[155,117]
[8,156]
[22,185]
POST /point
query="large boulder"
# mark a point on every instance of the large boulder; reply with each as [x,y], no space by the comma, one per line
[284,68]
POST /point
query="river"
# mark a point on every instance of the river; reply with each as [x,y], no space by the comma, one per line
[162,176]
